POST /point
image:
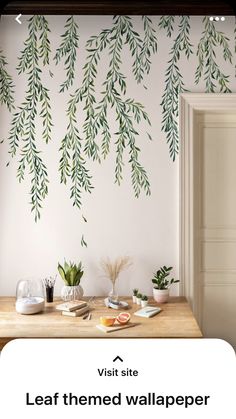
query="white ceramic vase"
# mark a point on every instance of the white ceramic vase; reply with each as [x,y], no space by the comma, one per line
[138,301]
[134,299]
[144,303]
[160,296]
[71,293]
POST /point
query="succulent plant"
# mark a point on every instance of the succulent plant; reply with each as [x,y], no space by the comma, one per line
[144,298]
[71,273]
[135,292]
[139,295]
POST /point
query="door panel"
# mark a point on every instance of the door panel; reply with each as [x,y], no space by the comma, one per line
[219,175]
[219,317]
[216,223]
[218,255]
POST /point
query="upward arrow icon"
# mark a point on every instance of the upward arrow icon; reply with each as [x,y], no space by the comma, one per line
[117,358]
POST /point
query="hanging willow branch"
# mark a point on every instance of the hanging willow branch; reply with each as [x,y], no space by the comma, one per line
[174,85]
[206,52]
[128,112]
[72,164]
[72,141]
[6,85]
[166,22]
[22,133]
[68,50]
[148,47]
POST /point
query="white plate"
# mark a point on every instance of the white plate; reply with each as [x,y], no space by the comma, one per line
[121,305]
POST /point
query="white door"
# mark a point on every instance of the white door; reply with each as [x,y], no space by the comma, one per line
[215,222]
[208,210]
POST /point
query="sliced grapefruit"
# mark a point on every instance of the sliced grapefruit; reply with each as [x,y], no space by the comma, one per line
[123,318]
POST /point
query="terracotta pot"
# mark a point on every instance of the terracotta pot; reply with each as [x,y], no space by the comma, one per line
[160,296]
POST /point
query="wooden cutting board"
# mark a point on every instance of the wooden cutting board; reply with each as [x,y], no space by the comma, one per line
[109,329]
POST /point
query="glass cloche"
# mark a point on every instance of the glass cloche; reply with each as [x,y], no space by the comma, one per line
[29,296]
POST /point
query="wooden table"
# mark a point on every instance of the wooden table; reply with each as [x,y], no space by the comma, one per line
[175,321]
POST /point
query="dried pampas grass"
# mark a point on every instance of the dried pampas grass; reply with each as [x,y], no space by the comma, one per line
[113,269]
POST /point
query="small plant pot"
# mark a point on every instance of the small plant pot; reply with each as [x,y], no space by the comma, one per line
[160,296]
[72,293]
[134,299]
[138,301]
[144,303]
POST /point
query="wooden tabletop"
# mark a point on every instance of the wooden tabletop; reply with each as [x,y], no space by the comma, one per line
[175,321]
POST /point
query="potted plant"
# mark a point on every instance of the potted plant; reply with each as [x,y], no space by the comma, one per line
[135,292]
[138,298]
[144,301]
[162,284]
[71,275]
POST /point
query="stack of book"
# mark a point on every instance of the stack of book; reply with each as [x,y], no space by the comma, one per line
[73,308]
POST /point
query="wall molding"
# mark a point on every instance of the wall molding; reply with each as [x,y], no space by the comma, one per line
[190,103]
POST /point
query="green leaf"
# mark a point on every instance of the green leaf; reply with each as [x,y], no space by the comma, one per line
[83,242]
[68,51]
[61,272]
[22,135]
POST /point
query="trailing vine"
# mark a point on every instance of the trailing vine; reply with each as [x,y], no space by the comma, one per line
[72,163]
[166,22]
[174,85]
[114,97]
[127,110]
[22,134]
[94,139]
[142,63]
[206,52]
[68,51]
[6,85]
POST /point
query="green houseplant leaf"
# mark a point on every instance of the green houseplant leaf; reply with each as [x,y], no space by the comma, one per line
[71,273]
[160,280]
[61,272]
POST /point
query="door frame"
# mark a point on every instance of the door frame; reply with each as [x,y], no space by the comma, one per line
[189,104]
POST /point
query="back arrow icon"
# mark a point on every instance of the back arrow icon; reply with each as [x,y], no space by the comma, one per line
[18,19]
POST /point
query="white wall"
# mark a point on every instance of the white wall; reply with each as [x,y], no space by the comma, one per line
[118,224]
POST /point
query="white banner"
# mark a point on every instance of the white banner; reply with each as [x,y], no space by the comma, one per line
[154,378]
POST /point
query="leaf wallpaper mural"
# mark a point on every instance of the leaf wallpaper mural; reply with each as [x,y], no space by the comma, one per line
[207,65]
[128,111]
[22,134]
[103,114]
[6,85]
[89,138]
[174,85]
[166,22]
[68,51]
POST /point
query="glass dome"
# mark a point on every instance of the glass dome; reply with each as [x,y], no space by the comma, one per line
[29,296]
